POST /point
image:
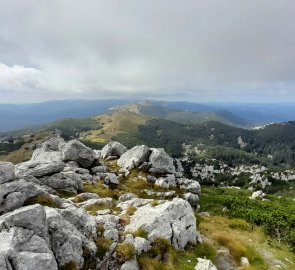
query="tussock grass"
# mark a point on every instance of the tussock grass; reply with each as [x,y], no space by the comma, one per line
[96,207]
[130,210]
[42,200]
[124,252]
[101,190]
[69,266]
[140,232]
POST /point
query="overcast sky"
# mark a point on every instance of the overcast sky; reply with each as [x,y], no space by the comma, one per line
[210,50]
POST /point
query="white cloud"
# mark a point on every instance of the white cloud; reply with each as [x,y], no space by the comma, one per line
[195,49]
[19,78]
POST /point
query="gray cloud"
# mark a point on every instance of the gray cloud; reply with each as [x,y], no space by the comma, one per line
[213,50]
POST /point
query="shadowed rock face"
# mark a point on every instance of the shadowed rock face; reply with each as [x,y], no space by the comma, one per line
[64,233]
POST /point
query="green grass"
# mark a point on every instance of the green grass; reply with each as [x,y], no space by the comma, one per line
[42,200]
[124,252]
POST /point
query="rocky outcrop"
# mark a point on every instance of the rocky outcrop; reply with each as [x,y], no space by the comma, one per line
[24,240]
[161,162]
[49,150]
[204,264]
[67,182]
[64,233]
[113,149]
[67,242]
[39,169]
[76,151]
[173,220]
[6,172]
[14,194]
[134,157]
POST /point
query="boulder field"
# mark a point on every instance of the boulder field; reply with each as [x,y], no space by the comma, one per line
[50,220]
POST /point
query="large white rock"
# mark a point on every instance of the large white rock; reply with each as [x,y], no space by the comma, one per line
[113,149]
[134,157]
[38,168]
[84,222]
[6,172]
[31,217]
[21,249]
[49,150]
[64,181]
[173,220]
[67,242]
[204,264]
[77,151]
[161,162]
[14,194]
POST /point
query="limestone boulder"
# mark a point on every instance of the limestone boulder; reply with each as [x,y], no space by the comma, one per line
[134,157]
[6,172]
[77,151]
[113,148]
[161,162]
[173,220]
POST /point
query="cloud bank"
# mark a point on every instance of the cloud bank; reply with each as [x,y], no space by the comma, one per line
[170,49]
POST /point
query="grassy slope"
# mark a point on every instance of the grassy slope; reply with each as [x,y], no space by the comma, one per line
[113,124]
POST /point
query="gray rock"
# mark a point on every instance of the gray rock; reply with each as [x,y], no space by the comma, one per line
[108,218]
[6,172]
[72,164]
[189,185]
[99,169]
[78,217]
[141,245]
[126,197]
[111,179]
[166,182]
[134,157]
[87,196]
[151,178]
[68,182]
[49,150]
[192,198]
[172,220]
[39,169]
[136,202]
[14,194]
[204,264]
[21,249]
[97,154]
[161,162]
[30,217]
[113,149]
[67,242]
[130,265]
[76,151]
[111,233]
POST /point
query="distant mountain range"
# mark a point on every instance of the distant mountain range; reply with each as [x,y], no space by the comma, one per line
[221,133]
[241,115]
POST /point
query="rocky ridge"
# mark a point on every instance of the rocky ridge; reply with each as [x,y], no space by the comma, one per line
[70,207]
